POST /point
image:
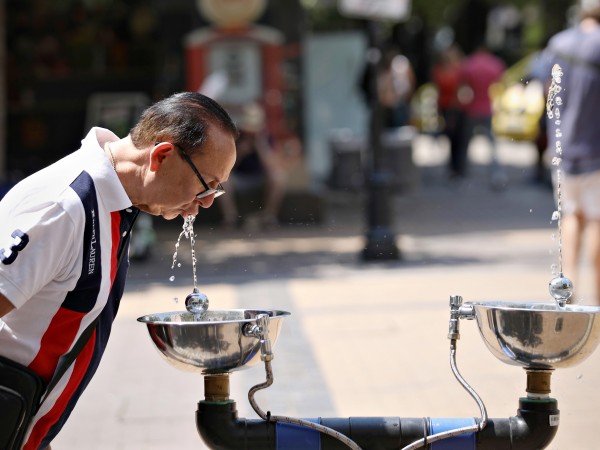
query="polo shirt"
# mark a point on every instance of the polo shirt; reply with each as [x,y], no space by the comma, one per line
[479,72]
[62,232]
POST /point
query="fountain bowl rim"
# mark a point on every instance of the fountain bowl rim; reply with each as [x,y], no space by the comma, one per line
[535,306]
[277,313]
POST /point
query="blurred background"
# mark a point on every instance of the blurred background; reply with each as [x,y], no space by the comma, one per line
[347,158]
[72,64]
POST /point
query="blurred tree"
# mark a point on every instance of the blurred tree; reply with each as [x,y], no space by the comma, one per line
[323,14]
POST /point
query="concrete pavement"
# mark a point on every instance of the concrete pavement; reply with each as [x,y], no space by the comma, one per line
[363,339]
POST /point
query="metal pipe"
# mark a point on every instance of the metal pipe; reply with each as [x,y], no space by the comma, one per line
[454,334]
[291,420]
[533,427]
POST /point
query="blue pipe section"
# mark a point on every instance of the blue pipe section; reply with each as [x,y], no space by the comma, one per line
[296,437]
[534,427]
[464,441]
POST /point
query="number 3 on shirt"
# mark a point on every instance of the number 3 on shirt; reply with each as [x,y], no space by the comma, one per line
[20,241]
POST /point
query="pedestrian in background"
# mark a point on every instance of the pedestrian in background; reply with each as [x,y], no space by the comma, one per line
[446,75]
[64,239]
[480,70]
[258,167]
[395,85]
[577,51]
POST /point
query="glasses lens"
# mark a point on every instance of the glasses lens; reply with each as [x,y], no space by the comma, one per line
[216,192]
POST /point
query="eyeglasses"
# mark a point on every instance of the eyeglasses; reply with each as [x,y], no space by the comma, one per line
[218,191]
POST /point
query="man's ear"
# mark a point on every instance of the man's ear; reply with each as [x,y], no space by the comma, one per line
[159,153]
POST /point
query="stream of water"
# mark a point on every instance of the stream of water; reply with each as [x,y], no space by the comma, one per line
[561,288]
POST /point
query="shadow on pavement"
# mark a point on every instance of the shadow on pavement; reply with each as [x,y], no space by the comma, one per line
[430,223]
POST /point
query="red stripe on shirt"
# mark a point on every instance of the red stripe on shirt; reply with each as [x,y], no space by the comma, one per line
[44,424]
[115,224]
[56,341]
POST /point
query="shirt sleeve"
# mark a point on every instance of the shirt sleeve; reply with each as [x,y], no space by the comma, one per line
[37,250]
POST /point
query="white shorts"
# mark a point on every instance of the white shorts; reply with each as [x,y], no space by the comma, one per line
[579,193]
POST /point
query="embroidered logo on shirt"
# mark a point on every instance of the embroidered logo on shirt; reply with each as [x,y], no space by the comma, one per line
[20,241]
[92,258]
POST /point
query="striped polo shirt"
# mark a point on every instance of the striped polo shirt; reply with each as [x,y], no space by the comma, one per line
[62,232]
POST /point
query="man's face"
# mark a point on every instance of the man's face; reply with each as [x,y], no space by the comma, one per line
[176,185]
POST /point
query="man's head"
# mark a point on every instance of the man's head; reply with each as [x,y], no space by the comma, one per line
[253,118]
[188,145]
[182,118]
[592,12]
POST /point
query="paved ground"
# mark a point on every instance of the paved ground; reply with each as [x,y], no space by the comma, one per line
[364,339]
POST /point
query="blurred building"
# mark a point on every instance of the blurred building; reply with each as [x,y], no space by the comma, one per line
[62,54]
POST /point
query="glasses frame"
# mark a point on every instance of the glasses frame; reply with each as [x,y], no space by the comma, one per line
[217,192]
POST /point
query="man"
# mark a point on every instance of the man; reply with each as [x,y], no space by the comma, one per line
[480,70]
[577,51]
[257,165]
[64,237]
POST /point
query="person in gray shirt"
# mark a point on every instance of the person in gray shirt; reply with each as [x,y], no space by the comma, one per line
[577,51]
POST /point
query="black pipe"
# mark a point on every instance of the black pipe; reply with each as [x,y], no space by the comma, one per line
[533,428]
[380,239]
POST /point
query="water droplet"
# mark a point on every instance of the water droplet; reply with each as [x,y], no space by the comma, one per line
[178,264]
[580,376]
[558,100]
[555,215]
[556,161]
[530,210]
[172,278]
[176,300]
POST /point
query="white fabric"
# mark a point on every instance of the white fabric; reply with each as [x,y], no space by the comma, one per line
[580,194]
[44,207]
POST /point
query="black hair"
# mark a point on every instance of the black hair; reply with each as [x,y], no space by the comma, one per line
[182,118]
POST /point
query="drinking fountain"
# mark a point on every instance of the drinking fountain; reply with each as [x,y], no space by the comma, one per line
[215,342]
[538,337]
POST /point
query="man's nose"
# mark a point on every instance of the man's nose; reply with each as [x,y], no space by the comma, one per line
[206,202]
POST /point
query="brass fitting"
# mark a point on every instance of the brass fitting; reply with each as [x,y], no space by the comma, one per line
[538,382]
[216,387]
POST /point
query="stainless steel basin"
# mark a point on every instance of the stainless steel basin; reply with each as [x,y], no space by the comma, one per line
[538,335]
[218,342]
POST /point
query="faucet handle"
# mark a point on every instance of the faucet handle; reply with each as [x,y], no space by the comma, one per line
[456,301]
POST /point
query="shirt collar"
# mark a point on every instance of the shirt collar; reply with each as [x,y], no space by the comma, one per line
[98,165]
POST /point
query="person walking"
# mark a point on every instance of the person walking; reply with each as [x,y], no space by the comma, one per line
[258,167]
[480,70]
[577,51]
[64,239]
[446,75]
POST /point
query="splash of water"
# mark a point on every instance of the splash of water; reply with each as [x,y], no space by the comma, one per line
[560,287]
[188,232]
[196,302]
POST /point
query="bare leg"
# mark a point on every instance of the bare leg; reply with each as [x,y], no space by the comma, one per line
[228,205]
[572,228]
[593,246]
[276,185]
